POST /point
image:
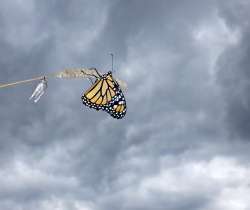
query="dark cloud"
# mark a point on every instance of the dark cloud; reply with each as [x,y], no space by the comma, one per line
[233,67]
[171,151]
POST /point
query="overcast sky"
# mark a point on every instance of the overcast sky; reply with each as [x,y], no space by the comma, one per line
[184,142]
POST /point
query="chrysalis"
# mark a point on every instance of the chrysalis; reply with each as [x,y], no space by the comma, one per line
[39,91]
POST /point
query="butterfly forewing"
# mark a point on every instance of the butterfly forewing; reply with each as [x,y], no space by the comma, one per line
[93,90]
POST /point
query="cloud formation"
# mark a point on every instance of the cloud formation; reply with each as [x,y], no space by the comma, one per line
[182,144]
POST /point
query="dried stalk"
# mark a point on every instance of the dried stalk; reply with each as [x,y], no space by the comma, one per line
[84,73]
[66,74]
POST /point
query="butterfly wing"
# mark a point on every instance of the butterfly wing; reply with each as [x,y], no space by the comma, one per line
[93,97]
[117,107]
[106,94]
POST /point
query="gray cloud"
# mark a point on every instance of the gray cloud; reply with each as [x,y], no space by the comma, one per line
[171,151]
[233,73]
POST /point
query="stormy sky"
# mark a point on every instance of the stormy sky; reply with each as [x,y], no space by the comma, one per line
[184,143]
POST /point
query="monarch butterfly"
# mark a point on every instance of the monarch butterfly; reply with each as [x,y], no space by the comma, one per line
[105,94]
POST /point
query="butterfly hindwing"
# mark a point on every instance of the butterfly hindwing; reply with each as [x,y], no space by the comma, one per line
[117,107]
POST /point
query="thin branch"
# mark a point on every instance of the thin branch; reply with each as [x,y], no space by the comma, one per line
[21,82]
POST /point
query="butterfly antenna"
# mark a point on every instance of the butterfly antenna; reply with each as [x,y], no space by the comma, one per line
[112,57]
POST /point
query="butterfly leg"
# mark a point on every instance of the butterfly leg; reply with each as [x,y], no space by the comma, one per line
[93,68]
[92,75]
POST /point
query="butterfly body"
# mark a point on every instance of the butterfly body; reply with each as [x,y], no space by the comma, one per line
[105,94]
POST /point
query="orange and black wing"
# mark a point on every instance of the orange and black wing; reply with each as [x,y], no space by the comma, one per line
[106,94]
[117,107]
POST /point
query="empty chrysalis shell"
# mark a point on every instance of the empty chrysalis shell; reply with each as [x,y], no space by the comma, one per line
[39,91]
